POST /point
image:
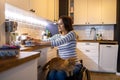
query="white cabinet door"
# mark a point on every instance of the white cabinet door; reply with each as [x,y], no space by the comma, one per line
[87,11]
[43,56]
[40,7]
[45,8]
[108,58]
[23,4]
[80,11]
[94,11]
[109,11]
[2,21]
[89,53]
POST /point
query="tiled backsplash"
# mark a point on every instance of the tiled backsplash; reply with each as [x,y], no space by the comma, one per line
[83,32]
[34,32]
[107,31]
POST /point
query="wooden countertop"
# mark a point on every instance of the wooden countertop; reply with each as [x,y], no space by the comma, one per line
[32,48]
[23,57]
[100,41]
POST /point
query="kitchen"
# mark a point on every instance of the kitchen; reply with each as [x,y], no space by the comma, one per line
[108,29]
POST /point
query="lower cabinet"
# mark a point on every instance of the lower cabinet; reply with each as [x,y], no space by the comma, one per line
[98,57]
[45,55]
[90,50]
[89,53]
[108,58]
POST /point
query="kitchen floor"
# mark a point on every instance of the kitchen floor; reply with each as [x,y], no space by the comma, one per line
[104,76]
[100,76]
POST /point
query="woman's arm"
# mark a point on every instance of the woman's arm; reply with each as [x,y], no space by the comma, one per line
[43,43]
[52,38]
[68,37]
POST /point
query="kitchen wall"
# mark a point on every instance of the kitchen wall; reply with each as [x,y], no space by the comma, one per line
[33,31]
[107,31]
[83,32]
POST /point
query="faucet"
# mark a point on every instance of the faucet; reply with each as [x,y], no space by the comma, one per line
[93,33]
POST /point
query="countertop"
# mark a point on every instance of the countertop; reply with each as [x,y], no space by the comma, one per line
[100,41]
[32,48]
[26,54]
[23,57]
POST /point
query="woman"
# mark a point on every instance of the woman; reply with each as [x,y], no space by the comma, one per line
[66,43]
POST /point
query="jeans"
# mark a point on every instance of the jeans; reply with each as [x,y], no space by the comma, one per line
[56,75]
[61,75]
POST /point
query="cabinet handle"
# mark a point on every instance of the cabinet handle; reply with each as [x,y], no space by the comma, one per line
[109,46]
[87,43]
[40,51]
[87,50]
[102,22]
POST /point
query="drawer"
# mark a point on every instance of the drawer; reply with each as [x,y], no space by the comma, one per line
[88,44]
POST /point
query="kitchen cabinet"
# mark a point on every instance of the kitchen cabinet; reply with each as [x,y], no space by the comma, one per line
[45,8]
[108,57]
[2,21]
[26,71]
[108,11]
[53,10]
[89,53]
[23,4]
[89,49]
[45,55]
[87,11]
[94,12]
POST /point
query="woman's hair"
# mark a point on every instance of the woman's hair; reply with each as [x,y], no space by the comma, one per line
[67,21]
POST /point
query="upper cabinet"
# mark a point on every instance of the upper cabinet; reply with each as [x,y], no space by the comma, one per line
[80,11]
[24,4]
[87,11]
[108,11]
[94,12]
[45,8]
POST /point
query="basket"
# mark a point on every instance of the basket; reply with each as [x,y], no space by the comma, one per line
[9,53]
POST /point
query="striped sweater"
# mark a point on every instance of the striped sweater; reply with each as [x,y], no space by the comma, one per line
[66,44]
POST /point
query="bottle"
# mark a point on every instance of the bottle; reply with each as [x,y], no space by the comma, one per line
[45,36]
[97,36]
[49,34]
[100,37]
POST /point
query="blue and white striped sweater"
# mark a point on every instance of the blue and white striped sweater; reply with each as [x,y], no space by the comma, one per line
[66,44]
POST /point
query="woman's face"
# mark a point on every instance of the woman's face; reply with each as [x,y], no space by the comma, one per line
[61,27]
